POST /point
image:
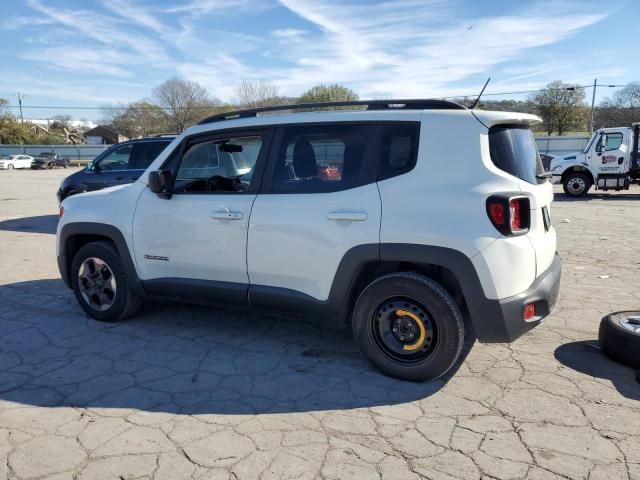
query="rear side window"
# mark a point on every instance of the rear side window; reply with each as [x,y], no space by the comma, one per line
[322,158]
[399,149]
[513,150]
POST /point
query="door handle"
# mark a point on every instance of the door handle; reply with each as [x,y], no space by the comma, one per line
[226,215]
[348,216]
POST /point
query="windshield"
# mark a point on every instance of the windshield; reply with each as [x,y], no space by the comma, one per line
[513,150]
[586,149]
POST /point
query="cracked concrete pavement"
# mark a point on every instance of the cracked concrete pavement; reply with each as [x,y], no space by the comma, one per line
[184,392]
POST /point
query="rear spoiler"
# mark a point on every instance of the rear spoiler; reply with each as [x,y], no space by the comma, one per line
[490,118]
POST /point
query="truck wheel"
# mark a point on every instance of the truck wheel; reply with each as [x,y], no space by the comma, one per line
[408,326]
[576,184]
[101,284]
[619,337]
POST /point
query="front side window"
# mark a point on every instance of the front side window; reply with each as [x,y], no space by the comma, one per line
[118,159]
[513,150]
[221,165]
[614,140]
[321,158]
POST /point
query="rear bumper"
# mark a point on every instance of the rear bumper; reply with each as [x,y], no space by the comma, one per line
[504,319]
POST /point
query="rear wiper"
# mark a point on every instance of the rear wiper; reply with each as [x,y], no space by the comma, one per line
[544,176]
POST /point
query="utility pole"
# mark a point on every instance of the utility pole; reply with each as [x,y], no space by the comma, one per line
[20,98]
[593,101]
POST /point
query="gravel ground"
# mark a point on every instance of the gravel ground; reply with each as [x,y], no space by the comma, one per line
[198,393]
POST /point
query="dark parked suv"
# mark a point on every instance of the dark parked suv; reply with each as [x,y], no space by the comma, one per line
[122,163]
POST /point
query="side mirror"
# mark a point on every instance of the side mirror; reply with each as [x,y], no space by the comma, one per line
[602,143]
[160,183]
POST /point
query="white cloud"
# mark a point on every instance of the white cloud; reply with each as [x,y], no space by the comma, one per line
[394,48]
[289,34]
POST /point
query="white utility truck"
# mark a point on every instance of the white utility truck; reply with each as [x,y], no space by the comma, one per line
[609,161]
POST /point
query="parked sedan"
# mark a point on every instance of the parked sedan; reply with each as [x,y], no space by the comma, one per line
[120,164]
[49,160]
[9,162]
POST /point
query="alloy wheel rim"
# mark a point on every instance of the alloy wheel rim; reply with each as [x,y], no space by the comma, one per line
[97,284]
[404,330]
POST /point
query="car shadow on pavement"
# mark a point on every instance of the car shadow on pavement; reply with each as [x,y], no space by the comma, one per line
[586,357]
[39,224]
[561,197]
[182,359]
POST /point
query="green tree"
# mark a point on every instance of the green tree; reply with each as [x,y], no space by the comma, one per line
[139,119]
[561,106]
[328,93]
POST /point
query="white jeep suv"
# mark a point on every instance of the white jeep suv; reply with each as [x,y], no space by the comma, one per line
[402,221]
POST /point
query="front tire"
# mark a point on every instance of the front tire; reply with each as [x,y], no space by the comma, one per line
[408,326]
[576,184]
[101,284]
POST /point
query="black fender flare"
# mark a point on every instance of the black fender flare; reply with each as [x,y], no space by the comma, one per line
[98,230]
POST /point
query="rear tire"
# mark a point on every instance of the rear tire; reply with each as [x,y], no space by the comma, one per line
[408,326]
[619,337]
[576,184]
[101,284]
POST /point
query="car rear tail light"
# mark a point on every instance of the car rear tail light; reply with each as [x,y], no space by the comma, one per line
[509,214]
[529,311]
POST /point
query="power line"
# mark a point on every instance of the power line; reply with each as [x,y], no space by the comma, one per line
[104,107]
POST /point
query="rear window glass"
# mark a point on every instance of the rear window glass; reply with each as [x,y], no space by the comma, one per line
[513,150]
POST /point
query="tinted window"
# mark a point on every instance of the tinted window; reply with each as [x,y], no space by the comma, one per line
[117,159]
[321,158]
[513,150]
[219,165]
[143,154]
[399,149]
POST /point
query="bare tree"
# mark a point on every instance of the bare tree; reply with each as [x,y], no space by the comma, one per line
[621,110]
[259,93]
[184,102]
[561,106]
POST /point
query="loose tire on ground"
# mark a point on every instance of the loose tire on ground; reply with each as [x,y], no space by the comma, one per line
[619,337]
[124,302]
[386,327]
[576,184]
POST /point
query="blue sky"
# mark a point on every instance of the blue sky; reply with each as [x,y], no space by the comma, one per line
[97,52]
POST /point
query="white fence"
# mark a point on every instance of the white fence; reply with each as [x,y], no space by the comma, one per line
[561,145]
[74,152]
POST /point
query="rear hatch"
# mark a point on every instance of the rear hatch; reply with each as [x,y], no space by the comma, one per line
[513,150]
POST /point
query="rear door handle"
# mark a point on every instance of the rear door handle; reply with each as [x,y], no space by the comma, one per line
[348,216]
[226,215]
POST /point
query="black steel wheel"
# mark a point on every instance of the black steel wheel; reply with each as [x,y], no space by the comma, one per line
[404,329]
[408,326]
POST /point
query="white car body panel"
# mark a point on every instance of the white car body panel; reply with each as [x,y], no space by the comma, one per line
[292,244]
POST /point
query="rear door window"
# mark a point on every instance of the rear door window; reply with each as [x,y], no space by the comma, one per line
[513,150]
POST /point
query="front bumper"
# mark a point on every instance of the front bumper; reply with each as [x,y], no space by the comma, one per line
[504,319]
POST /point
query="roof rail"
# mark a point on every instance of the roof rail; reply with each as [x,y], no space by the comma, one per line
[413,104]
